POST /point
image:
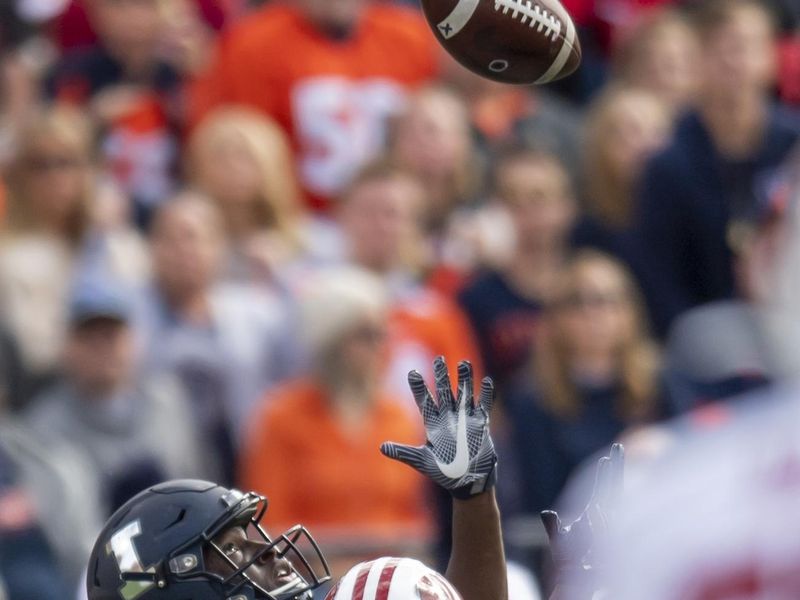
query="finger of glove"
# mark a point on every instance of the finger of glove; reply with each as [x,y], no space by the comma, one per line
[617,474]
[552,524]
[465,391]
[600,490]
[609,474]
[444,389]
[422,395]
[486,399]
[414,456]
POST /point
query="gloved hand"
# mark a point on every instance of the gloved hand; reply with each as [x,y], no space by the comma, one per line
[575,547]
[459,454]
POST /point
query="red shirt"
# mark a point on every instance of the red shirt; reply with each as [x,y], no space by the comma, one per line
[332,96]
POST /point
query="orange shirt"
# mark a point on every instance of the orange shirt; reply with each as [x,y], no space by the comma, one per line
[316,474]
[331,96]
[424,325]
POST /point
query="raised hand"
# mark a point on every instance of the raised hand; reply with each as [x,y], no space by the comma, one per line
[574,547]
[458,454]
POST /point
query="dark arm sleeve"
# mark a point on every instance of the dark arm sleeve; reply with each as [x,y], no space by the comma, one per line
[543,469]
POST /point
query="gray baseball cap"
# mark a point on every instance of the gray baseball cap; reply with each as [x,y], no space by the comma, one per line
[99,298]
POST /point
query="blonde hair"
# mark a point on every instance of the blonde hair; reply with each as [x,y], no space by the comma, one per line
[69,127]
[279,201]
[610,194]
[637,358]
[336,301]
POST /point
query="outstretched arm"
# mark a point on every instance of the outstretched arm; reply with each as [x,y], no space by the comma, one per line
[459,456]
[577,548]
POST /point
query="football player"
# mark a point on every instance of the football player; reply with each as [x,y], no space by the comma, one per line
[195,540]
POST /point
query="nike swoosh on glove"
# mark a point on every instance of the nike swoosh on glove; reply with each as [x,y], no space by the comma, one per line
[459,454]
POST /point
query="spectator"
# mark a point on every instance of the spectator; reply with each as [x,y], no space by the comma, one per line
[134,431]
[242,160]
[329,72]
[48,514]
[502,115]
[381,217]
[601,23]
[504,304]
[53,231]
[725,481]
[432,139]
[228,343]
[702,184]
[333,419]
[726,348]
[661,55]
[595,374]
[131,91]
[611,19]
[625,127]
[716,352]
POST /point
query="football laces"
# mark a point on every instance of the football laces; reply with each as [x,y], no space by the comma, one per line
[532,14]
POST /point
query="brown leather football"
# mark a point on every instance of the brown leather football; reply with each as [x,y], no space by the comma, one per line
[511,41]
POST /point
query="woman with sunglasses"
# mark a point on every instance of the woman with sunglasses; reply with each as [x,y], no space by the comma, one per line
[593,376]
[61,219]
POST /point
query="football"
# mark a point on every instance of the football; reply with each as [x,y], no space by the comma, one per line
[511,41]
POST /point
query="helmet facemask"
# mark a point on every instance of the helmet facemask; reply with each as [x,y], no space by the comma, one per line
[190,561]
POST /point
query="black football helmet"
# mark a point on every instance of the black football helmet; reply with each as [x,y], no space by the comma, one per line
[156,545]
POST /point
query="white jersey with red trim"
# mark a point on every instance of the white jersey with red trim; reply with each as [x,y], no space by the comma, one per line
[717,520]
[392,579]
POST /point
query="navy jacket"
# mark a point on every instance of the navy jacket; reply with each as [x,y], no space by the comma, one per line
[689,196]
[548,449]
[504,322]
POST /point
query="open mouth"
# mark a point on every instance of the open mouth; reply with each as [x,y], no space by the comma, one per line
[287,579]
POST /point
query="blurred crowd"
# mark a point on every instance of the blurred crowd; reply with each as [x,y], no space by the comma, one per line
[229,229]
